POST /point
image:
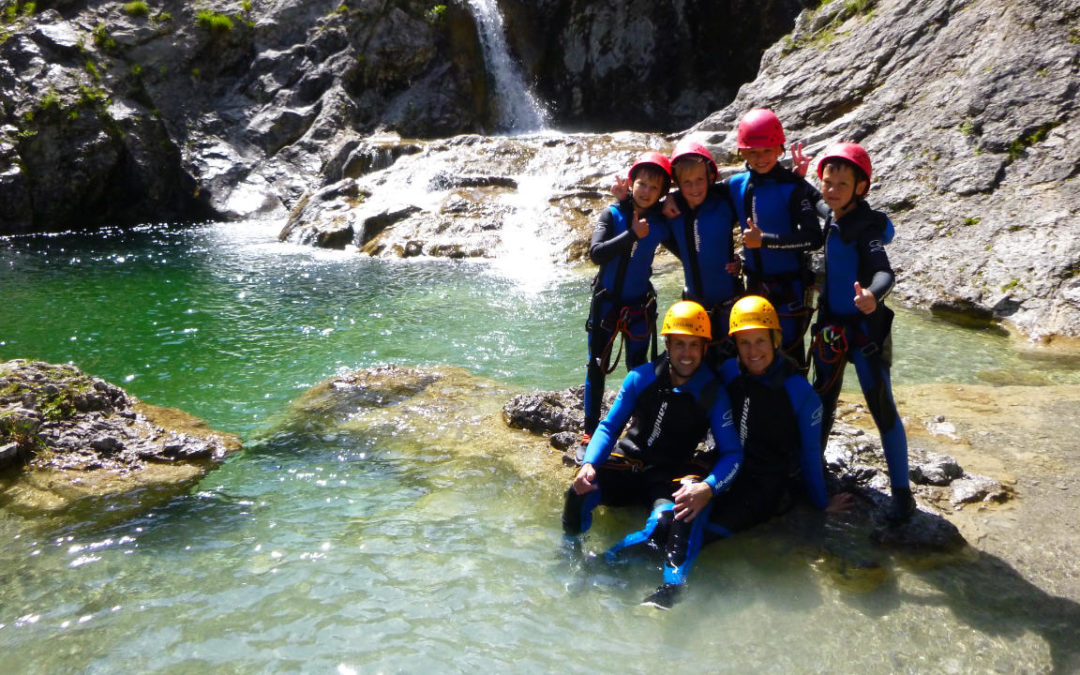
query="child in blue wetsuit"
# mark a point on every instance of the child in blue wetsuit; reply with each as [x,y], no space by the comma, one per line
[777,211]
[623,303]
[670,405]
[701,237]
[853,322]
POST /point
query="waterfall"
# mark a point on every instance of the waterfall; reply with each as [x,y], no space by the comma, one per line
[519,111]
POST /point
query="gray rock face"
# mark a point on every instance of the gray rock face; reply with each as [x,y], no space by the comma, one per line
[969,112]
[639,64]
[114,119]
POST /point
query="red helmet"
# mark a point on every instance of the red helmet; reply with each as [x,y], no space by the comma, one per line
[850,152]
[759,128]
[687,147]
[659,160]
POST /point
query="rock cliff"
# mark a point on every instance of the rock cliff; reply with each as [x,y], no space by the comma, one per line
[969,111]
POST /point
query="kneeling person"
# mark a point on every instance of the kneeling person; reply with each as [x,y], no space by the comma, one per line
[673,402]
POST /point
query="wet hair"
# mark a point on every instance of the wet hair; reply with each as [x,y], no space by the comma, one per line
[835,163]
[685,162]
[650,171]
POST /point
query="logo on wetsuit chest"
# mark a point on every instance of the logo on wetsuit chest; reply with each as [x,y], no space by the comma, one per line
[658,424]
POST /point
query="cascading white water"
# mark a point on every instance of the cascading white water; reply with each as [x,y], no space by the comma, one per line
[519,111]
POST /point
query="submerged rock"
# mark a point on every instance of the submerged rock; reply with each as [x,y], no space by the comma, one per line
[65,436]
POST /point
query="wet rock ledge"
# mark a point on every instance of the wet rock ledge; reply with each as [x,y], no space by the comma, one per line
[65,435]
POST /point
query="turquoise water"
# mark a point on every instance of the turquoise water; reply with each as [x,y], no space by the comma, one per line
[328,551]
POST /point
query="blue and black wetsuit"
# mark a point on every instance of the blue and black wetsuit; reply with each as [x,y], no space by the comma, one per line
[667,423]
[702,239]
[643,468]
[623,300]
[855,251]
[778,418]
[784,206]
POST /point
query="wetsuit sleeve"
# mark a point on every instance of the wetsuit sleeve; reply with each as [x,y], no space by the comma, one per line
[817,200]
[807,406]
[606,245]
[607,433]
[728,446]
[805,232]
[874,263]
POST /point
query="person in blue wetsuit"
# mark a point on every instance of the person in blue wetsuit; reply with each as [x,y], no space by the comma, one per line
[670,405]
[777,416]
[623,303]
[778,212]
[701,237]
[853,322]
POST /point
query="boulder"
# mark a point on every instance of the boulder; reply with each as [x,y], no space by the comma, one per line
[66,436]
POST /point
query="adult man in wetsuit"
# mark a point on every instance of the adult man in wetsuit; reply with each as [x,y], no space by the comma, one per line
[672,402]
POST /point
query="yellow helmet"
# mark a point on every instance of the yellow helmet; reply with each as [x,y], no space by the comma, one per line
[751,312]
[687,318]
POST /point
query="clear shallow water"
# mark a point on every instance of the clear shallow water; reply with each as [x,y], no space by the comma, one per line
[353,552]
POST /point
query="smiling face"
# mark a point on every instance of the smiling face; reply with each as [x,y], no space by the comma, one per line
[646,189]
[762,160]
[839,187]
[693,180]
[685,353]
[756,349]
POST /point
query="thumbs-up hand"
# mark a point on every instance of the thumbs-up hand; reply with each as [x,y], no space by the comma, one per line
[864,299]
[641,228]
[751,236]
[620,190]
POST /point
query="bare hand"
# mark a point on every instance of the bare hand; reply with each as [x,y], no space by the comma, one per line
[585,480]
[799,162]
[641,228]
[690,499]
[840,503]
[670,209]
[864,299]
[620,190]
[752,235]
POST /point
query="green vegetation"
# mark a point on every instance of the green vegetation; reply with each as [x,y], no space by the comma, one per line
[92,69]
[856,8]
[217,24]
[968,222]
[92,95]
[51,100]
[102,38]
[1019,145]
[435,14]
[136,8]
[162,17]
[245,5]
[967,127]
[1010,285]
